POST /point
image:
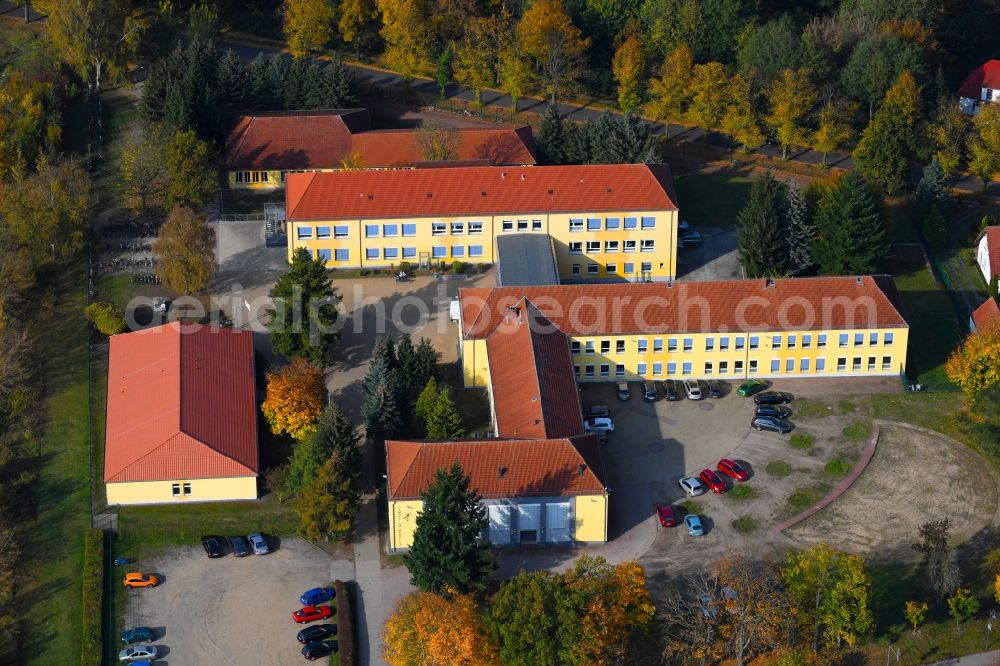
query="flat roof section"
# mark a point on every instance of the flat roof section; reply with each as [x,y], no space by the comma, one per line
[525,260]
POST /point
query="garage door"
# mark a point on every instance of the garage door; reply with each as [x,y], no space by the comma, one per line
[499,525]
[557,522]
[528,522]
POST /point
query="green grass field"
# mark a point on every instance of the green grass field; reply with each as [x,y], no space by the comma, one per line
[711,200]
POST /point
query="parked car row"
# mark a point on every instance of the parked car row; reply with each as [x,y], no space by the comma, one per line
[707,479]
[317,640]
[673,389]
[240,546]
[135,651]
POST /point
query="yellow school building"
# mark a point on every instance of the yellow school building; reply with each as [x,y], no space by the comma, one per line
[606,222]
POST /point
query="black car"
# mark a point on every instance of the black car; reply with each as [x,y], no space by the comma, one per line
[689,238]
[771,423]
[212,545]
[774,411]
[649,392]
[714,388]
[240,546]
[319,649]
[772,398]
[317,632]
[670,391]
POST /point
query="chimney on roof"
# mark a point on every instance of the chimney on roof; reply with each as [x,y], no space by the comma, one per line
[523,176]
[502,472]
[552,191]
[580,469]
[430,194]
[859,280]
[769,283]
[515,310]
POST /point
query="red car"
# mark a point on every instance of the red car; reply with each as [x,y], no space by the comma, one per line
[667,515]
[733,469]
[713,481]
[311,614]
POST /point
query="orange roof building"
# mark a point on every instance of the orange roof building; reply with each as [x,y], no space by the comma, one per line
[981,86]
[181,416]
[985,314]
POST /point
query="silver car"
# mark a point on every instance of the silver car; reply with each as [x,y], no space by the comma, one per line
[692,389]
[692,487]
[138,653]
[600,425]
[258,544]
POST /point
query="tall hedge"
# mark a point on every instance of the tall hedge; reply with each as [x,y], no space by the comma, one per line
[345,624]
[93,597]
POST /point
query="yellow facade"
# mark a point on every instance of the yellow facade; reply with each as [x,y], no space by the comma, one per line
[262,179]
[591,521]
[182,490]
[623,245]
[403,522]
[828,353]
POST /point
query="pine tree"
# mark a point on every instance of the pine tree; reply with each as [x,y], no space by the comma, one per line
[448,550]
[337,87]
[424,363]
[889,143]
[406,359]
[551,137]
[444,421]
[425,403]
[263,95]
[154,92]
[932,190]
[336,434]
[295,93]
[623,139]
[381,413]
[329,503]
[578,145]
[232,82]
[850,231]
[277,74]
[763,245]
[799,234]
[306,305]
[312,86]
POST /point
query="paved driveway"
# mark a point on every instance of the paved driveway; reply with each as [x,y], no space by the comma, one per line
[230,610]
[716,259]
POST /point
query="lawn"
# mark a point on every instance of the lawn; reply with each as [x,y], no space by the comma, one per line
[711,200]
[50,596]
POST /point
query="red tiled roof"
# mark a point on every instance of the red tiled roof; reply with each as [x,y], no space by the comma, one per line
[181,404]
[321,140]
[533,467]
[722,306]
[531,373]
[986,313]
[986,75]
[992,248]
[479,191]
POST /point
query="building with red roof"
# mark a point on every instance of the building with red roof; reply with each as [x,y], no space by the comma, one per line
[181,416]
[263,148]
[986,314]
[981,86]
[988,252]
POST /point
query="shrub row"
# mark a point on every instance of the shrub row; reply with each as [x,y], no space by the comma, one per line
[345,624]
[93,597]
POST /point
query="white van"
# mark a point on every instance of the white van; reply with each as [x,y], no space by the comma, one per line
[455,310]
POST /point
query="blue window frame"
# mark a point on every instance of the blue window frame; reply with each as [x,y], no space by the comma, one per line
[341,231]
[629,268]
[324,232]
[873,339]
[390,230]
[821,340]
[820,364]
[409,230]
[641,369]
[688,344]
[371,231]
[475,250]
[439,252]
[630,222]
[342,255]
[371,253]
[390,253]
[672,344]
[859,339]
[612,223]
[775,365]
[686,368]
[671,368]
[305,232]
[776,342]
[657,369]
[323,255]
[648,222]
[458,250]
[739,342]
[593,224]
[709,344]
[409,252]
[724,343]
[791,342]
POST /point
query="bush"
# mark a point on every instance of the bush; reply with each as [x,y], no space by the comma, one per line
[345,625]
[105,317]
[987,221]
[856,430]
[457,267]
[405,266]
[740,493]
[485,267]
[745,524]
[968,256]
[93,597]
[778,468]
[837,467]
[801,441]
[690,507]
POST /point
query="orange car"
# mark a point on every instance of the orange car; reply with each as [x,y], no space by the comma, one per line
[136,579]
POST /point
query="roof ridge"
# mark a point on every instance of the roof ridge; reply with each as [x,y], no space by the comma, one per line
[412,451]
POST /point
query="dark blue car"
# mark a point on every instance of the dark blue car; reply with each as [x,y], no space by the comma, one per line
[316,596]
[137,635]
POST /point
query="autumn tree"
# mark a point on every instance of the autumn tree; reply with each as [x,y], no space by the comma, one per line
[475,58]
[753,606]
[741,120]
[915,612]
[305,310]
[106,318]
[671,92]
[547,34]
[691,610]
[308,25]
[406,30]
[984,145]
[438,143]
[91,34]
[448,551]
[975,365]
[356,17]
[889,143]
[329,503]
[185,252]
[760,233]
[430,629]
[190,163]
[515,74]
[791,97]
[850,229]
[962,605]
[708,95]
[940,570]
[142,177]
[628,66]
[834,128]
[948,131]
[296,395]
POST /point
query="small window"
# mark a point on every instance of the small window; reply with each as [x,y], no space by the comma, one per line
[390,253]
[688,344]
[648,222]
[630,246]
[619,370]
[754,342]
[807,340]
[593,224]
[657,369]
[856,364]
[724,343]
[791,342]
[619,346]
[593,269]
[439,251]
[657,344]
[648,245]
[871,363]
[873,339]
[671,345]
[263,177]
[611,246]
[574,224]
[605,346]
[640,369]
[804,365]
[371,231]
[686,368]
[610,268]
[458,250]
[789,365]
[723,367]
[475,250]
[343,255]
[522,225]
[629,268]
[575,270]
[886,362]
[324,232]
[737,367]
[752,369]
[647,267]
[605,370]
[409,230]
[475,228]
[390,230]
[324,255]
[708,367]
[841,363]
[821,341]
[508,225]
[887,339]
[612,223]
[536,225]
[671,367]
[775,365]
[643,345]
[574,346]
[576,247]
[409,252]
[776,342]
[576,370]
[859,339]
[371,253]
[187,486]
[439,228]
[593,246]
[589,346]
[843,340]
[630,222]
[820,364]
[305,233]
[341,231]
[739,342]
[709,344]
[588,371]
[175,489]
[239,176]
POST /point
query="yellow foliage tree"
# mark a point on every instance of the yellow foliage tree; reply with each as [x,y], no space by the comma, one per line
[185,251]
[354,14]
[791,97]
[476,57]
[547,34]
[296,396]
[308,25]
[431,630]
[948,131]
[406,30]
[672,91]
[984,147]
[741,120]
[708,94]
[834,129]
[975,365]
[915,611]
[628,65]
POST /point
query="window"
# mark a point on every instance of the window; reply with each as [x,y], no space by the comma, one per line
[593,224]
[342,255]
[723,367]
[409,252]
[619,346]
[439,251]
[371,231]
[776,342]
[619,370]
[640,369]
[324,232]
[611,268]
[841,363]
[612,223]
[536,225]
[657,369]
[859,339]
[643,344]
[575,270]
[371,253]
[724,343]
[648,222]
[737,367]
[630,222]
[648,245]
[688,344]
[856,364]
[458,250]
[886,362]
[686,368]
[341,231]
[576,370]
[820,364]
[409,230]
[754,342]
[646,267]
[588,370]
[457,228]
[507,225]
[475,228]
[263,176]
[439,228]
[739,342]
[873,339]
[871,363]
[522,225]
[611,246]
[791,342]
[574,225]
[324,255]
[475,250]
[390,230]
[807,340]
[804,365]
[574,346]
[775,365]
[630,246]
[671,368]
[593,269]
[709,344]
[629,268]
[672,345]
[843,339]
[305,233]
[657,344]
[175,489]
[887,339]
[593,246]
[576,247]
[605,370]
[821,340]
[708,367]
[790,365]
[753,367]
[256,176]
[186,487]
[590,346]
[605,346]
[390,253]
[239,176]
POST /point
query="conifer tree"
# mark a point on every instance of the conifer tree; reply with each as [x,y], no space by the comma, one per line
[329,503]
[934,230]
[551,137]
[889,143]
[932,190]
[337,86]
[263,96]
[762,243]
[444,421]
[232,82]
[306,309]
[799,234]
[425,403]
[850,230]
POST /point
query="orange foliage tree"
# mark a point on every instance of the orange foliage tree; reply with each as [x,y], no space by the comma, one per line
[296,395]
[975,365]
[431,630]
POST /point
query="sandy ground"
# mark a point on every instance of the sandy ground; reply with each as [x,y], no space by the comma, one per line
[230,610]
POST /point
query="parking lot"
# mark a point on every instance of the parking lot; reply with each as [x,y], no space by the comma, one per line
[229,610]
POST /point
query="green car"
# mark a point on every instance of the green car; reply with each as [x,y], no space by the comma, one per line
[751,386]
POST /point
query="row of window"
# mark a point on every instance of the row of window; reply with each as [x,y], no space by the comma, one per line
[180,489]
[793,340]
[251,177]
[476,228]
[710,367]
[611,223]
[374,253]
[628,268]
[646,245]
